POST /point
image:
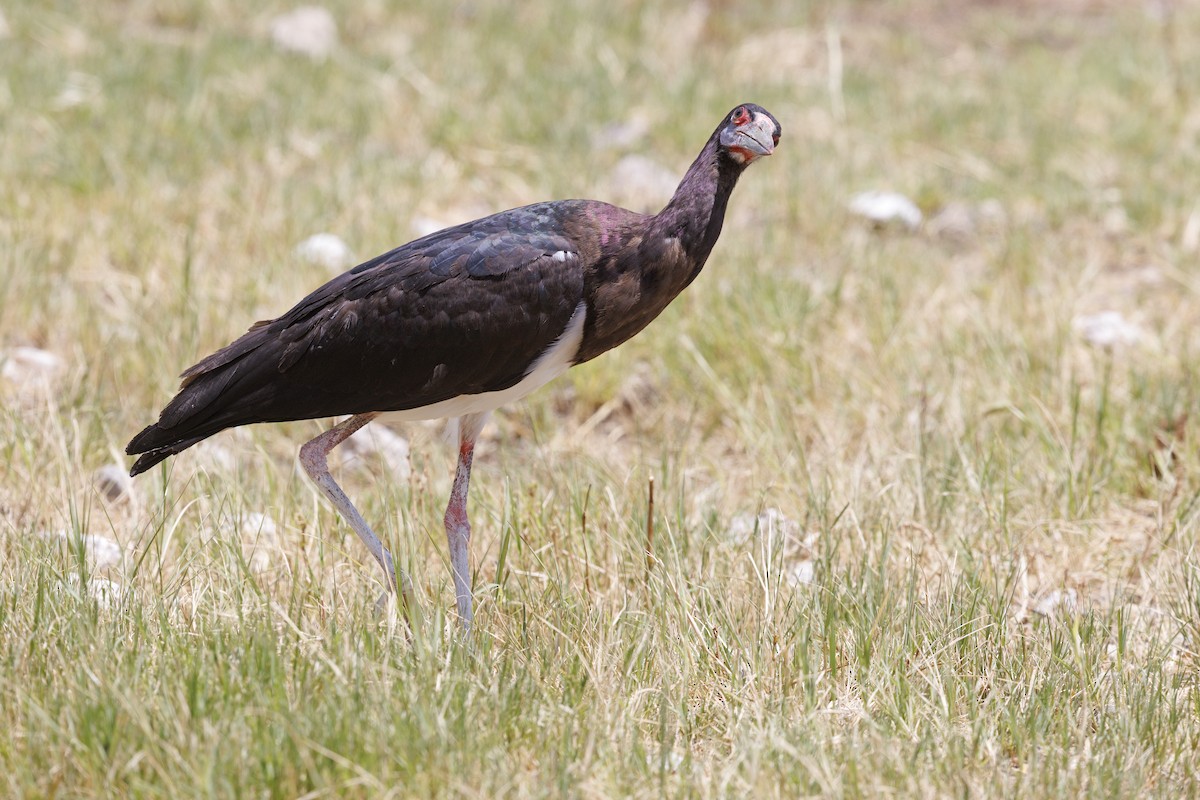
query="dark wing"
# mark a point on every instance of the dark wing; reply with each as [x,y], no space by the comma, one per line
[462,311]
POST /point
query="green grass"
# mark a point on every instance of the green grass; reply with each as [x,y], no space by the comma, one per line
[946,448]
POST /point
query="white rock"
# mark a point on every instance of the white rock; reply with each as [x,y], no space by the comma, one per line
[30,365]
[382,442]
[100,551]
[259,559]
[260,527]
[113,483]
[80,89]
[770,523]
[991,213]
[215,456]
[106,593]
[883,208]
[1189,239]
[327,250]
[741,528]
[250,527]
[1057,602]
[801,574]
[668,762]
[309,30]
[1107,329]
[1116,221]
[260,537]
[638,177]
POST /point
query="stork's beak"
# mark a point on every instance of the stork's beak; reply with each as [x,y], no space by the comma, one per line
[758,136]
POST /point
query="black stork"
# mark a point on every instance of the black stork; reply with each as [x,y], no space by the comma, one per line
[460,322]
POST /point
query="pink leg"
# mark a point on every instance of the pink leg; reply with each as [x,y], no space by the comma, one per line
[458,528]
[314,458]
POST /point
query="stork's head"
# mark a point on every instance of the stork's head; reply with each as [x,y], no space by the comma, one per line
[748,132]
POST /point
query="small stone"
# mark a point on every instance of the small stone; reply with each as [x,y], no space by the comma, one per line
[1116,221]
[309,30]
[107,594]
[326,249]
[1107,329]
[381,442]
[80,89]
[259,560]
[771,523]
[668,761]
[258,526]
[99,551]
[215,456]
[884,208]
[1055,603]
[25,365]
[801,574]
[991,214]
[260,537]
[1189,239]
[113,483]
[741,528]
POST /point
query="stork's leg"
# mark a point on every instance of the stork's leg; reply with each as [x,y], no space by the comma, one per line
[458,528]
[314,457]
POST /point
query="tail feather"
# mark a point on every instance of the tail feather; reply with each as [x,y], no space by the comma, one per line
[221,391]
[200,409]
[148,458]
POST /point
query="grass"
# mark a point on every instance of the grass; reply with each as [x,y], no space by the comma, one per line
[944,449]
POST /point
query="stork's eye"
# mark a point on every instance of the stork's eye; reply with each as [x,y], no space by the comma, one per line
[741,116]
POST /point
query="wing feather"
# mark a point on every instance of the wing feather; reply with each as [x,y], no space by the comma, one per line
[462,311]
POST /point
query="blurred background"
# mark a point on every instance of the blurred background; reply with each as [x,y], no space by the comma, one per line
[939,375]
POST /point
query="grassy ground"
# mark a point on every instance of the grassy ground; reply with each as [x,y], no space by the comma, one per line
[981,575]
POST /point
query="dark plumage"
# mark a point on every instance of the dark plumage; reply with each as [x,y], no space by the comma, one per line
[485,297]
[444,320]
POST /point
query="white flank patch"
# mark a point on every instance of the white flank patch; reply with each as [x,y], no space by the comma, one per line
[556,360]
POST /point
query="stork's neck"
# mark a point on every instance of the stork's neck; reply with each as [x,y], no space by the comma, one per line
[695,214]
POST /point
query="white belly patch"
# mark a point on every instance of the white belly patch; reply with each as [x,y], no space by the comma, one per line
[554,361]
